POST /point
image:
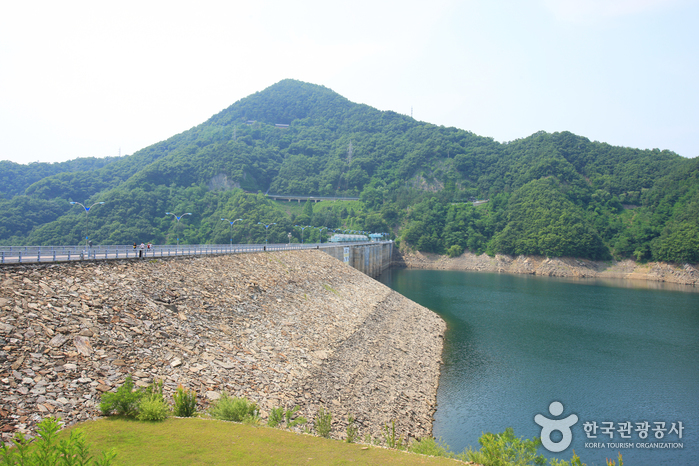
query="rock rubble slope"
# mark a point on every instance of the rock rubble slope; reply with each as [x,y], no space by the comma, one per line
[281,328]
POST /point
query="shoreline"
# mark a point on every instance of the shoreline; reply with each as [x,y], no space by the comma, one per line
[280,328]
[566,267]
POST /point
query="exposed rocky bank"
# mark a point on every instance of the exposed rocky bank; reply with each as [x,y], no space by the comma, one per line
[684,274]
[281,328]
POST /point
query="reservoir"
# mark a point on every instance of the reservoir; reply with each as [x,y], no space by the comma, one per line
[615,354]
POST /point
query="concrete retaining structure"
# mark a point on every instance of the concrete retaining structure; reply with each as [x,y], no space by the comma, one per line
[369,258]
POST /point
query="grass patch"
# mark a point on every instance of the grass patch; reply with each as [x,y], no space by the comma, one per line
[274,256]
[195,441]
[331,289]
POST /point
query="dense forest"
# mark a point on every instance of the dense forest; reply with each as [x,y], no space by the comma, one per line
[548,194]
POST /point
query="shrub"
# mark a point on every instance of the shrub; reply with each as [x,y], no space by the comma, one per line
[145,405]
[576,461]
[125,401]
[152,409]
[234,409]
[455,251]
[45,451]
[323,422]
[432,447]
[185,402]
[505,449]
[609,462]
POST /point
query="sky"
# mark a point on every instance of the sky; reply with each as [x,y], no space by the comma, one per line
[97,79]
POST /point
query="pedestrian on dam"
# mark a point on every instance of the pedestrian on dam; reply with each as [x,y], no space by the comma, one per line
[143,248]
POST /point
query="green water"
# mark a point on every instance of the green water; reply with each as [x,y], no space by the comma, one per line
[609,352]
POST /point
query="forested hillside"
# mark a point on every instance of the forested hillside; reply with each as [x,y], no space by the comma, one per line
[551,194]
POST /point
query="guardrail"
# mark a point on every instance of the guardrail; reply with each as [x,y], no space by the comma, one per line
[278,197]
[47,254]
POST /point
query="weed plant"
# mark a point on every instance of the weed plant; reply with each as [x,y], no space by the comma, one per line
[389,437]
[292,421]
[279,416]
[352,431]
[155,391]
[234,409]
[185,402]
[46,451]
[276,415]
[323,422]
[124,402]
[331,289]
[431,447]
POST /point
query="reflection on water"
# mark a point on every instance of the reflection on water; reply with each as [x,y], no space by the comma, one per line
[610,351]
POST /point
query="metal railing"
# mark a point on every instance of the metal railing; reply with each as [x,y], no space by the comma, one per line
[42,254]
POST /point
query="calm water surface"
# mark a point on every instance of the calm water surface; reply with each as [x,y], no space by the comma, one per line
[608,351]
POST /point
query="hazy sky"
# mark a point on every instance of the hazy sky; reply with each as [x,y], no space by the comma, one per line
[80,79]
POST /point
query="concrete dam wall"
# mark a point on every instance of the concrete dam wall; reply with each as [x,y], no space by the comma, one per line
[371,259]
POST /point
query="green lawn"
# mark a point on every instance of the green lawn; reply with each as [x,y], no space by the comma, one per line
[195,441]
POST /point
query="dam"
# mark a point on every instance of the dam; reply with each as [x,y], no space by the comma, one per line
[369,257]
[282,328]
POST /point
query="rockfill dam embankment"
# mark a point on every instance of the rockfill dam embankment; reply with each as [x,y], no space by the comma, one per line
[283,329]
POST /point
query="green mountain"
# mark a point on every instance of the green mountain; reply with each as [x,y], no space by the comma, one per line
[553,194]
